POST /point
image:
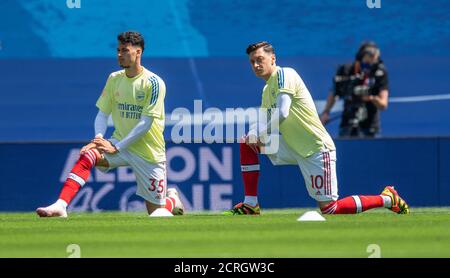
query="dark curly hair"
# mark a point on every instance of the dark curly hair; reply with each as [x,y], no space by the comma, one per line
[135,38]
[265,45]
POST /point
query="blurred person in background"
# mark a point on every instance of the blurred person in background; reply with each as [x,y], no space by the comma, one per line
[363,85]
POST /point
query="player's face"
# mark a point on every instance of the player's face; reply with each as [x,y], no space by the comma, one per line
[262,62]
[127,55]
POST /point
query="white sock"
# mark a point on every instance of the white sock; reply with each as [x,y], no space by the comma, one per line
[61,203]
[387,201]
[251,200]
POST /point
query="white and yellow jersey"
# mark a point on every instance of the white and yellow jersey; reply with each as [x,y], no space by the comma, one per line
[302,129]
[126,99]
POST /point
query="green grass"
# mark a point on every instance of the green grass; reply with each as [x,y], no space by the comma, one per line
[423,233]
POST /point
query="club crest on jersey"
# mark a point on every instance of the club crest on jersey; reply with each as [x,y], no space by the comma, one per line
[140,95]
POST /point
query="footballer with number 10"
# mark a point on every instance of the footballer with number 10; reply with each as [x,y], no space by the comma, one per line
[303,142]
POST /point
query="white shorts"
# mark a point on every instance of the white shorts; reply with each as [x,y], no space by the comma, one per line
[318,170]
[150,177]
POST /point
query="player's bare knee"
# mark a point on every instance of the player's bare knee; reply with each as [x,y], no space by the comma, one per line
[324,204]
[101,161]
[97,153]
[152,207]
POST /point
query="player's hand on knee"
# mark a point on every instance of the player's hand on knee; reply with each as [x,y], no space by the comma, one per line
[105,146]
[87,147]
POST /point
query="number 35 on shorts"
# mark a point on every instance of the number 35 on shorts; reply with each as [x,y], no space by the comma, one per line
[158,185]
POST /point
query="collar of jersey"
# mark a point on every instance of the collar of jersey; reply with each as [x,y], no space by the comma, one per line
[136,77]
[274,73]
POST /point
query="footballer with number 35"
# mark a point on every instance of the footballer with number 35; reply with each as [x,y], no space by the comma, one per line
[303,142]
[134,97]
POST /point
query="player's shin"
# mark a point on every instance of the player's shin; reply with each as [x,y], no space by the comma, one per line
[78,175]
[353,204]
[250,173]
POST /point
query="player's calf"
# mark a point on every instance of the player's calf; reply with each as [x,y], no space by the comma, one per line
[389,199]
[353,204]
[250,173]
[76,179]
[79,174]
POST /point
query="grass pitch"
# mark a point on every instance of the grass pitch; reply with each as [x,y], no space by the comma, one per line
[423,233]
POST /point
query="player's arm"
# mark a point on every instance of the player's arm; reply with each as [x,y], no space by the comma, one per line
[104,105]
[254,138]
[100,126]
[284,101]
[142,127]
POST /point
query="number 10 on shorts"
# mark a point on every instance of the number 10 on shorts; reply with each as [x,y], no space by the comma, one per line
[316,181]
